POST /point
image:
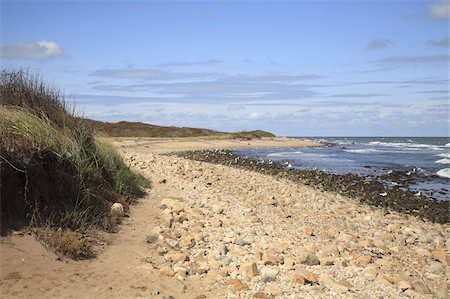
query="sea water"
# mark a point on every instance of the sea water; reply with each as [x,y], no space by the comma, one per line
[426,159]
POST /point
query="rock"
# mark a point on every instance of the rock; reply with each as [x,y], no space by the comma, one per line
[275,291]
[242,242]
[248,270]
[363,260]
[223,250]
[203,268]
[117,209]
[237,285]
[225,261]
[167,271]
[311,278]
[269,258]
[346,283]
[179,270]
[202,296]
[175,205]
[308,230]
[403,285]
[217,209]
[298,278]
[216,223]
[420,287]
[328,281]
[269,273]
[260,295]
[309,259]
[423,252]
[151,239]
[442,291]
[436,268]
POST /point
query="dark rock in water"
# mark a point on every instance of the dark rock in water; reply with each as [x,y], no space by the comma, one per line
[367,166]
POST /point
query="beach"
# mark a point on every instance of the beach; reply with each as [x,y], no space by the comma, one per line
[213,231]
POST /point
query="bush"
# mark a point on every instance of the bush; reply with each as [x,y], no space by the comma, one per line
[52,167]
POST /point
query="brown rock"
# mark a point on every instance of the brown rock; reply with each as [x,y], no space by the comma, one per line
[167,271]
[308,230]
[403,285]
[363,260]
[332,284]
[311,278]
[248,269]
[269,258]
[237,285]
[298,278]
[260,295]
[346,283]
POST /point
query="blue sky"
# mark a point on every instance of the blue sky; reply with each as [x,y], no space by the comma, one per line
[297,68]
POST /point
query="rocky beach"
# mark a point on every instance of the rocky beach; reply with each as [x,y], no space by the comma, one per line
[214,231]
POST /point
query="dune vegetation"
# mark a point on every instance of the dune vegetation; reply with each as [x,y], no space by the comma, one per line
[56,176]
[138,129]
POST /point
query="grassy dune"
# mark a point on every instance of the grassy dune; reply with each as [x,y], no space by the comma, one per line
[56,175]
[137,129]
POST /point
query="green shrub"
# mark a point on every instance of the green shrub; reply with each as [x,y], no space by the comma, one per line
[53,169]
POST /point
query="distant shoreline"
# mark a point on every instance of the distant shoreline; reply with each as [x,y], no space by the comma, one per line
[166,145]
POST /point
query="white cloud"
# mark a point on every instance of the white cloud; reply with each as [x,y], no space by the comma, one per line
[39,50]
[440,9]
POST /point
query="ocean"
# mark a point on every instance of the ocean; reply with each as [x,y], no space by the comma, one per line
[420,164]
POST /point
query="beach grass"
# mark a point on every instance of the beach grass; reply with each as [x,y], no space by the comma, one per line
[55,173]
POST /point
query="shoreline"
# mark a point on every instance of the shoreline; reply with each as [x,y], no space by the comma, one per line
[216,231]
[165,145]
[371,192]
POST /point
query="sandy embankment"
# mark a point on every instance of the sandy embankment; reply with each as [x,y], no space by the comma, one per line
[223,232]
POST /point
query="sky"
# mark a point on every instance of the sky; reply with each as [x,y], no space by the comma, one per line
[294,68]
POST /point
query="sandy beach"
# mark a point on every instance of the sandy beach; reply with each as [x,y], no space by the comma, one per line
[212,231]
[165,145]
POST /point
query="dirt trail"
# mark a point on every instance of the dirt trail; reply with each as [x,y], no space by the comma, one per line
[29,270]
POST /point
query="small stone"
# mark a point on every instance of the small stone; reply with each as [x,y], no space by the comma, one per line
[275,291]
[225,261]
[332,284]
[217,209]
[403,285]
[223,250]
[242,242]
[298,278]
[309,259]
[117,209]
[269,273]
[311,278]
[363,260]
[237,285]
[346,283]
[179,270]
[436,268]
[308,230]
[151,239]
[420,287]
[216,222]
[175,205]
[269,258]
[203,268]
[260,295]
[167,271]
[248,270]
[202,296]
[442,291]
